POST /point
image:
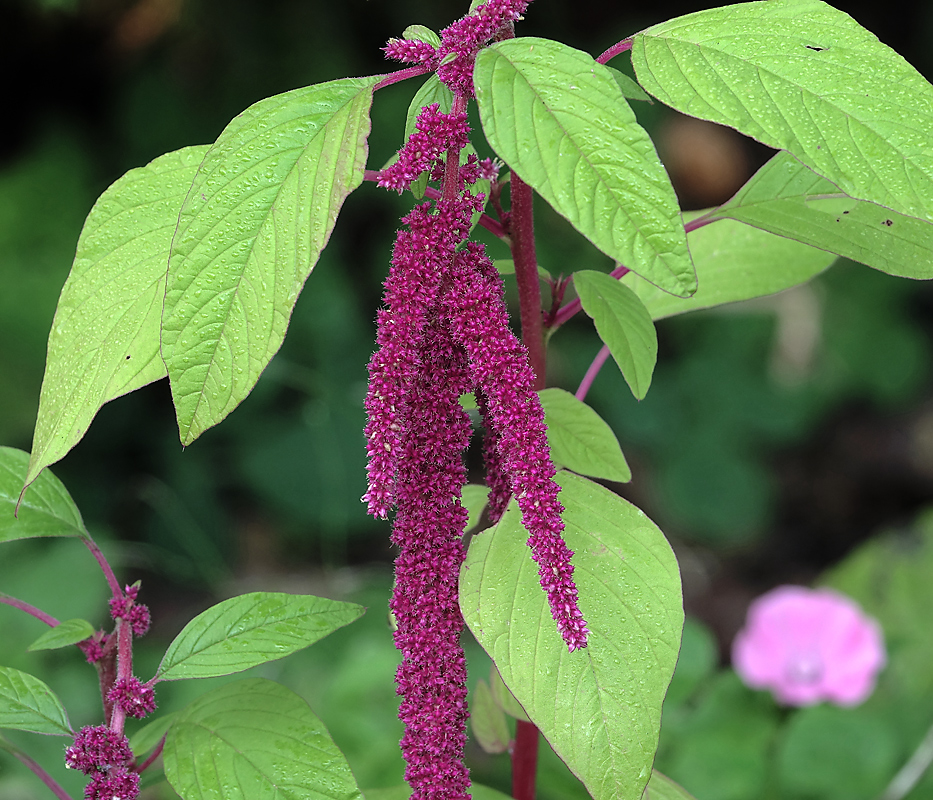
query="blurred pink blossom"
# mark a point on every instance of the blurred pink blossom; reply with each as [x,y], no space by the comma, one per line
[809,645]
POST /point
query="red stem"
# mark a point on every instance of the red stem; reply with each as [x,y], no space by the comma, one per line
[591,373]
[124,669]
[37,770]
[524,761]
[401,75]
[612,52]
[39,614]
[152,756]
[112,581]
[522,228]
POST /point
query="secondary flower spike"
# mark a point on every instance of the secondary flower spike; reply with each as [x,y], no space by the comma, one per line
[500,369]
[809,645]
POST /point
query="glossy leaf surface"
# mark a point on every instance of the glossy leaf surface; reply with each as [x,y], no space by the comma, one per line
[46,509]
[27,704]
[254,740]
[558,118]
[66,633]
[787,198]
[624,325]
[600,707]
[104,341]
[804,77]
[251,629]
[735,262]
[260,210]
[579,438]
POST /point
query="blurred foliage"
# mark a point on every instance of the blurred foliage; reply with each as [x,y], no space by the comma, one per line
[721,740]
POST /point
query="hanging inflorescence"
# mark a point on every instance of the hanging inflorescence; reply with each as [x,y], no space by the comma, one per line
[444,332]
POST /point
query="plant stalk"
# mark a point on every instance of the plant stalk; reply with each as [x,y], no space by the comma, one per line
[522,228]
[524,761]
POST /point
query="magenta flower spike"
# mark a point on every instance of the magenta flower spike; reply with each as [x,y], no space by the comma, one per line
[808,646]
[428,531]
[499,365]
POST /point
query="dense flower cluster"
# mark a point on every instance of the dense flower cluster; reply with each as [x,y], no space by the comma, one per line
[412,51]
[464,39]
[460,42]
[434,133]
[809,645]
[133,697]
[136,614]
[105,756]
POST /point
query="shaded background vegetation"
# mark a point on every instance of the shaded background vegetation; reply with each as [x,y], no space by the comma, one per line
[777,435]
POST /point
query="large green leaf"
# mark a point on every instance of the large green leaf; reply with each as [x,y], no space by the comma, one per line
[735,262]
[66,633]
[801,76]
[251,629]
[600,708]
[27,704]
[789,199]
[558,118]
[46,508]
[260,210]
[104,341]
[660,787]
[580,439]
[624,325]
[254,740]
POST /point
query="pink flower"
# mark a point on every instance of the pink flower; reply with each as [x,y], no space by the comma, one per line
[809,645]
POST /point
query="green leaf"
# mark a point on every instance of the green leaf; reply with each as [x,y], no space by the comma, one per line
[558,118]
[474,498]
[259,213]
[838,753]
[46,508]
[147,737]
[624,325]
[889,576]
[104,341]
[254,740]
[71,631]
[629,87]
[600,708]
[801,76]
[735,262]
[660,787]
[252,629]
[579,438]
[487,720]
[504,697]
[27,704]
[420,33]
[789,199]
